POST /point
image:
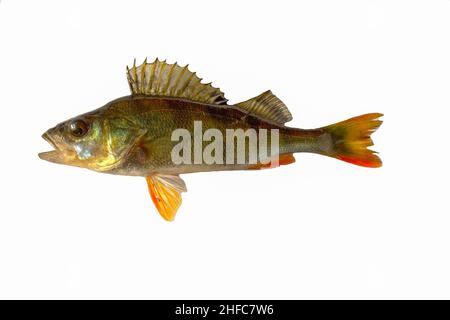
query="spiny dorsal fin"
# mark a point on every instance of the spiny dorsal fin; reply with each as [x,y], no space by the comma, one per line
[267,106]
[171,80]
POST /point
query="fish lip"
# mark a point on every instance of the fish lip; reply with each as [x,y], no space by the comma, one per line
[47,155]
[47,138]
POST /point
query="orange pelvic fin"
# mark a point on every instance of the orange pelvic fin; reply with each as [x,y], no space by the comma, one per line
[351,139]
[165,191]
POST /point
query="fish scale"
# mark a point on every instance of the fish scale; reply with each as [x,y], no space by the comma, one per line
[133,135]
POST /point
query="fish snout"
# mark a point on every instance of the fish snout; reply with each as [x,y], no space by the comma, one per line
[52,138]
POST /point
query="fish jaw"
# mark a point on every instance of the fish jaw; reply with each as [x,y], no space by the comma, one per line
[57,155]
[51,156]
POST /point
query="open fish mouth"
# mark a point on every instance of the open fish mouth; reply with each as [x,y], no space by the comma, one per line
[55,155]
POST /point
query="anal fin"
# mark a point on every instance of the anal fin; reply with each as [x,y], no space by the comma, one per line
[283,159]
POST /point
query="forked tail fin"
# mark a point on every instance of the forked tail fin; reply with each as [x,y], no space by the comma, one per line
[352,137]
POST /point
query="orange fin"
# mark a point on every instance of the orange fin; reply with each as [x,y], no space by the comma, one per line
[165,191]
[351,139]
[283,159]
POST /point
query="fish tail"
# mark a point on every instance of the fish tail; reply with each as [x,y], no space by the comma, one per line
[350,140]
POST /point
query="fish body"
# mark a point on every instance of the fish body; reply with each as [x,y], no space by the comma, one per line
[173,124]
[154,120]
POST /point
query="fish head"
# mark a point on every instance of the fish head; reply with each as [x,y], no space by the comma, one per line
[93,141]
[76,142]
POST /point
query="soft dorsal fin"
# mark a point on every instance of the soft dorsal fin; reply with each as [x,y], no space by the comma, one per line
[267,106]
[171,80]
[165,191]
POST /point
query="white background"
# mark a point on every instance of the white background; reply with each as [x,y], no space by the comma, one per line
[319,228]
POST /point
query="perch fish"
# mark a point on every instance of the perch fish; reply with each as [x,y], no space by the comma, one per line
[141,134]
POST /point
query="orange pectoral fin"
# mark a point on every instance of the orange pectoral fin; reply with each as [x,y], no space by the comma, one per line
[165,191]
[283,159]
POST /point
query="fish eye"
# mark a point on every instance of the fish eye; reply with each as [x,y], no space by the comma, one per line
[78,128]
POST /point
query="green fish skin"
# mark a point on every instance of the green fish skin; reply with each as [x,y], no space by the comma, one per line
[133,135]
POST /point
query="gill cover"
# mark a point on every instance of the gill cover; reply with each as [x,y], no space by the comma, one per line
[120,138]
